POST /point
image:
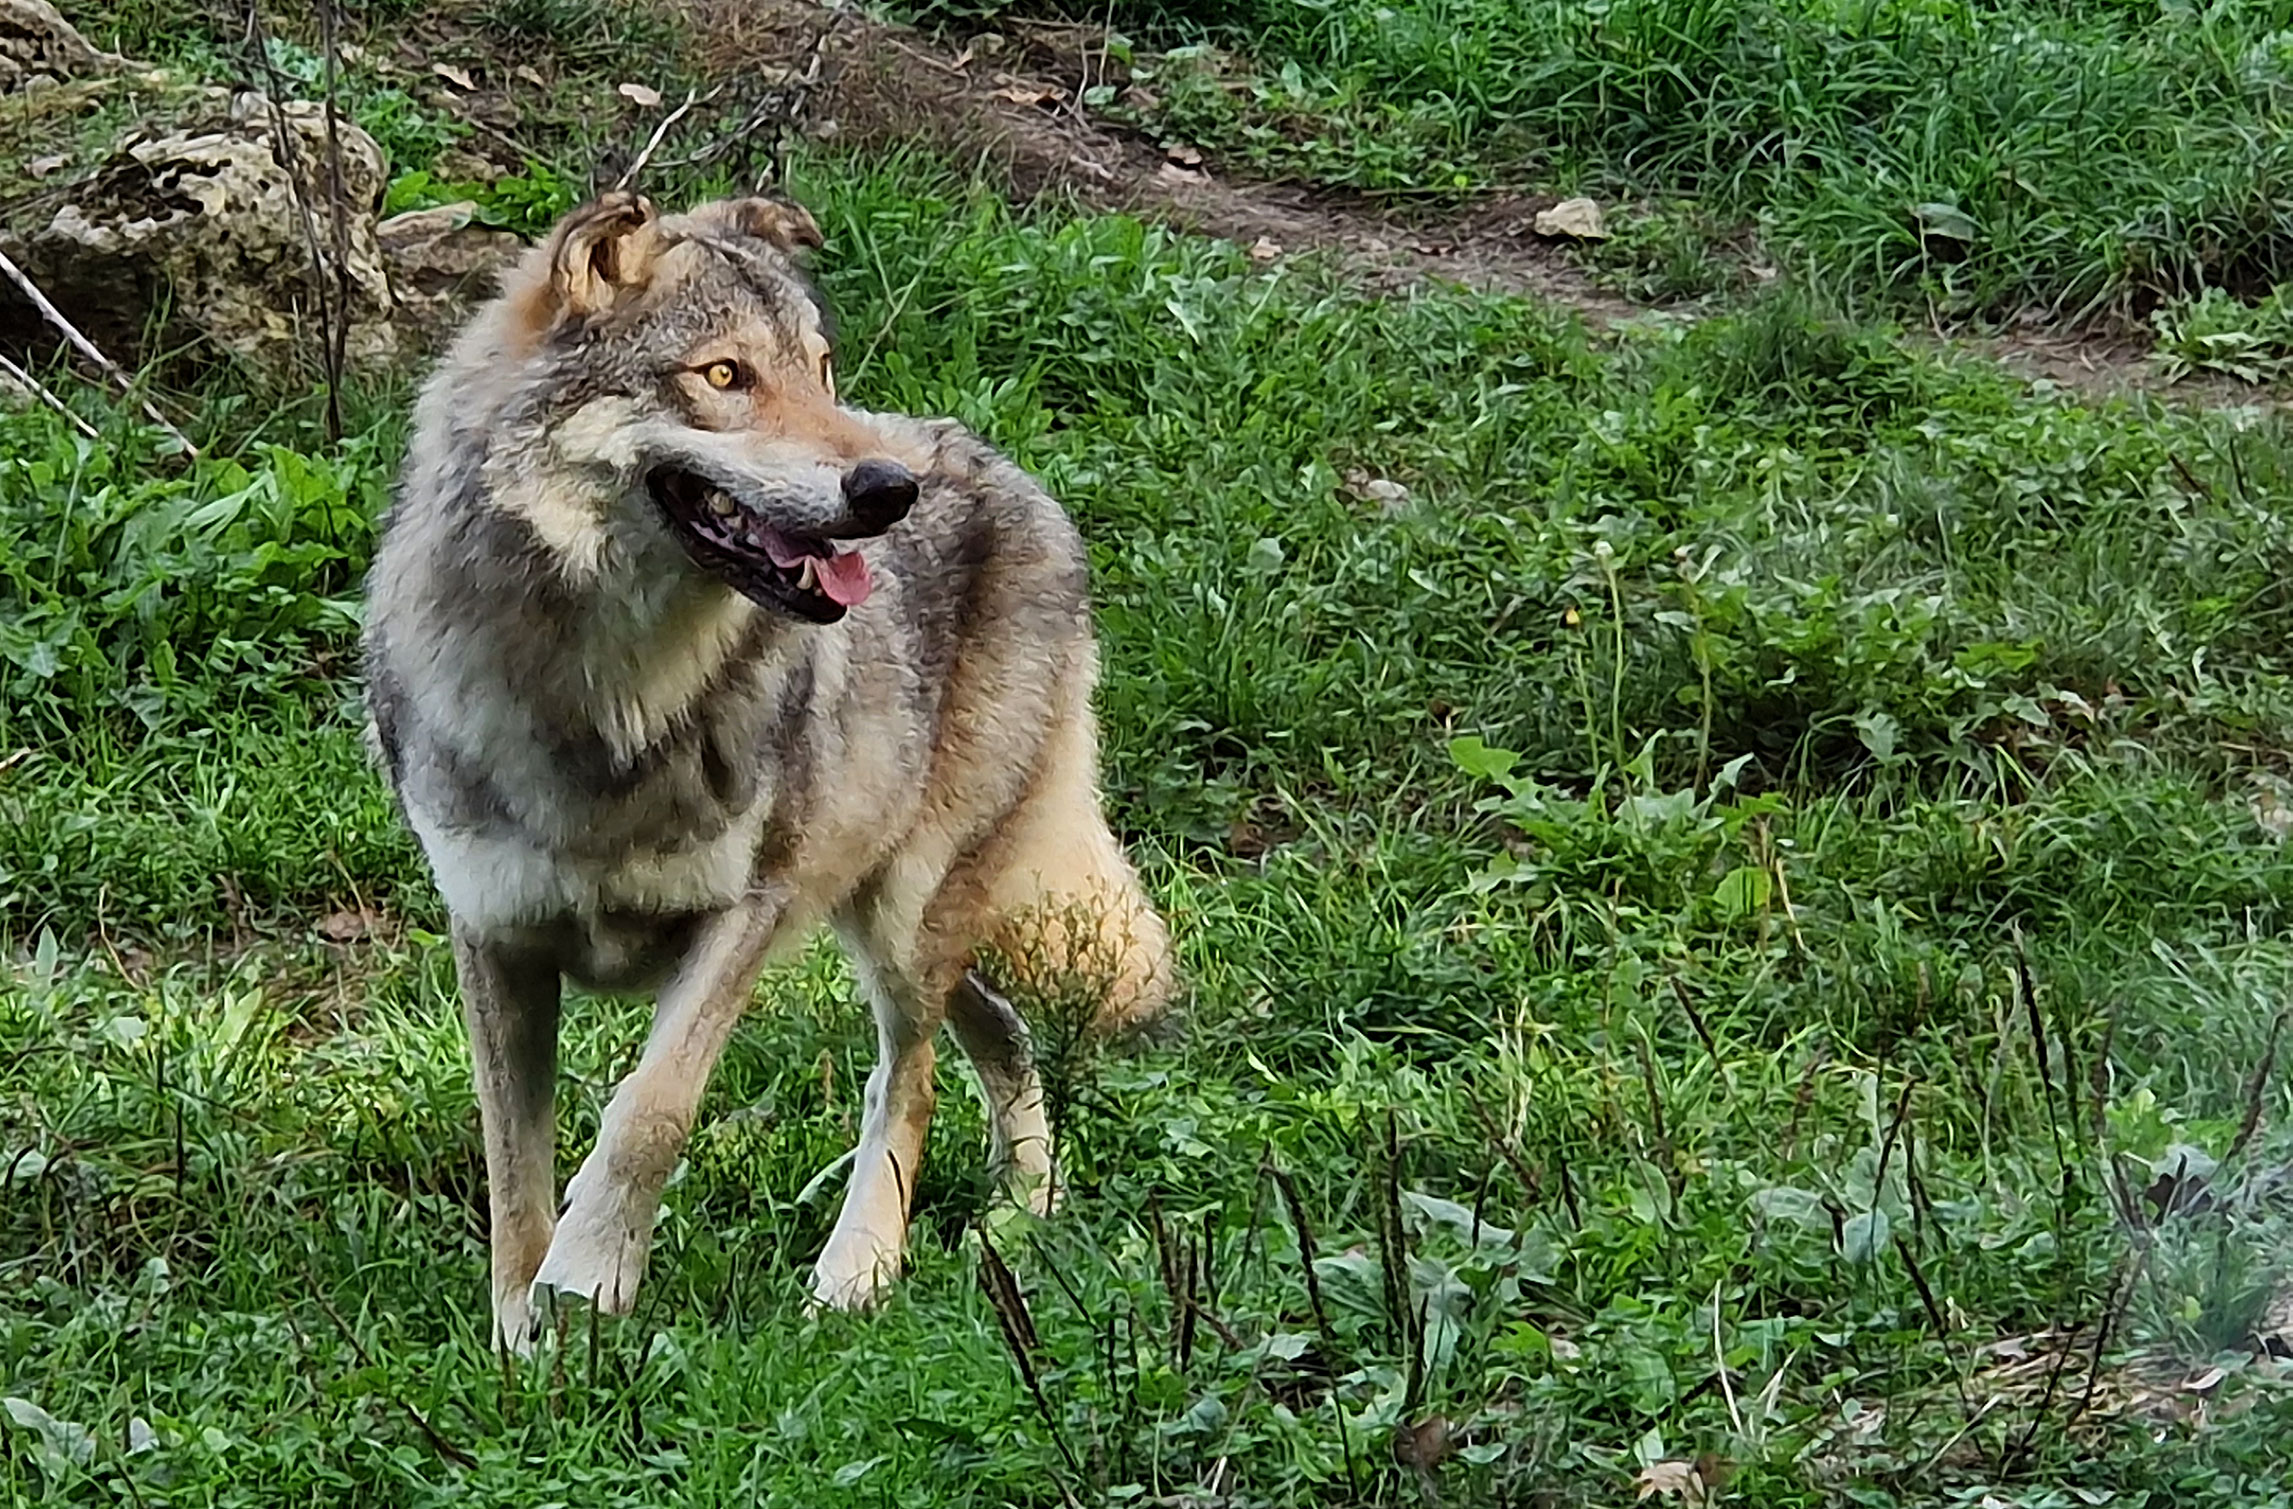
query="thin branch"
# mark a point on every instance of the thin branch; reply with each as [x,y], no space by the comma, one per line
[775,107]
[659,133]
[37,389]
[1020,1339]
[2255,1090]
[338,334]
[88,349]
[291,160]
[800,98]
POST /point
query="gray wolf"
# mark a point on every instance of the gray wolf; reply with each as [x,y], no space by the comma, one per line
[673,658]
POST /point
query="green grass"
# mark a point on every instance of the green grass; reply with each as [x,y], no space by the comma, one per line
[1718,902]
[1768,824]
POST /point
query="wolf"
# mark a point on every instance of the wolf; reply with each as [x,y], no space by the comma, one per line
[671,659]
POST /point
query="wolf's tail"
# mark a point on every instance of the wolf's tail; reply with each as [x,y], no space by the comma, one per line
[1098,955]
[1076,920]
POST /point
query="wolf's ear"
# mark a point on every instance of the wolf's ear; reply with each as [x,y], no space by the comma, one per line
[603,252]
[783,222]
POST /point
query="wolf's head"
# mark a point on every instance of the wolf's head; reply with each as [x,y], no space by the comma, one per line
[691,360]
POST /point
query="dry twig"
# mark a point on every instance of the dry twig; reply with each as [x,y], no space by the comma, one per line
[39,390]
[274,92]
[661,131]
[89,349]
[338,334]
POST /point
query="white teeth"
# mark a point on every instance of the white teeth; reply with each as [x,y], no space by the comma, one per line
[719,504]
[809,577]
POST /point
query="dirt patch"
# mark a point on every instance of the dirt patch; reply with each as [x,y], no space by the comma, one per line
[2101,364]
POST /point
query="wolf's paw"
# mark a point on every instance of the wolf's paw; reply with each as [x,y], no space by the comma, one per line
[597,1255]
[854,1273]
[1031,1180]
[517,1323]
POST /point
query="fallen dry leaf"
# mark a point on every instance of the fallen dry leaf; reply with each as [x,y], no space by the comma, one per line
[1672,1480]
[41,167]
[1424,1445]
[346,927]
[1578,219]
[644,96]
[1182,154]
[1265,249]
[1387,494]
[1172,173]
[2274,1334]
[2270,808]
[1030,94]
[529,73]
[458,77]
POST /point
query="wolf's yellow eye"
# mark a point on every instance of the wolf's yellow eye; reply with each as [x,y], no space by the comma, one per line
[721,374]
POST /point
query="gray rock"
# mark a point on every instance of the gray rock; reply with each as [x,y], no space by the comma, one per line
[208,221]
[440,262]
[39,47]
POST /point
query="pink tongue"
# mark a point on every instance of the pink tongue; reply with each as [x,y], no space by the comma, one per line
[784,555]
[843,577]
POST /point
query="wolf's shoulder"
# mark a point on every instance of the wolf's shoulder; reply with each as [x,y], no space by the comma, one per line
[986,542]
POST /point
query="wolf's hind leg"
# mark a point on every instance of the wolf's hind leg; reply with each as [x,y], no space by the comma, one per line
[510,1000]
[996,1040]
[603,1238]
[1054,897]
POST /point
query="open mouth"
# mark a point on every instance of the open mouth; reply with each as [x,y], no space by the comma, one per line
[808,577]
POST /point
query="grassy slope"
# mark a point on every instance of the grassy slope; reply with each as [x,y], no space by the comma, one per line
[1860,1022]
[1978,158]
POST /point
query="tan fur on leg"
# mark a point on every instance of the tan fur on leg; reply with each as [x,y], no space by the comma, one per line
[1067,903]
[602,1240]
[865,1249]
[510,1005]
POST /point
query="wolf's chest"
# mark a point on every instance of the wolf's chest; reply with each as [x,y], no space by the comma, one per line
[533,822]
[503,876]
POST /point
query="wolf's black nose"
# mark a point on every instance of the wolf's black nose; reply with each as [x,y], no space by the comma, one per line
[879,494]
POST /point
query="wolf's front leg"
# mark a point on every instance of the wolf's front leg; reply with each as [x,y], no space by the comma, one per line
[606,1230]
[510,996]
